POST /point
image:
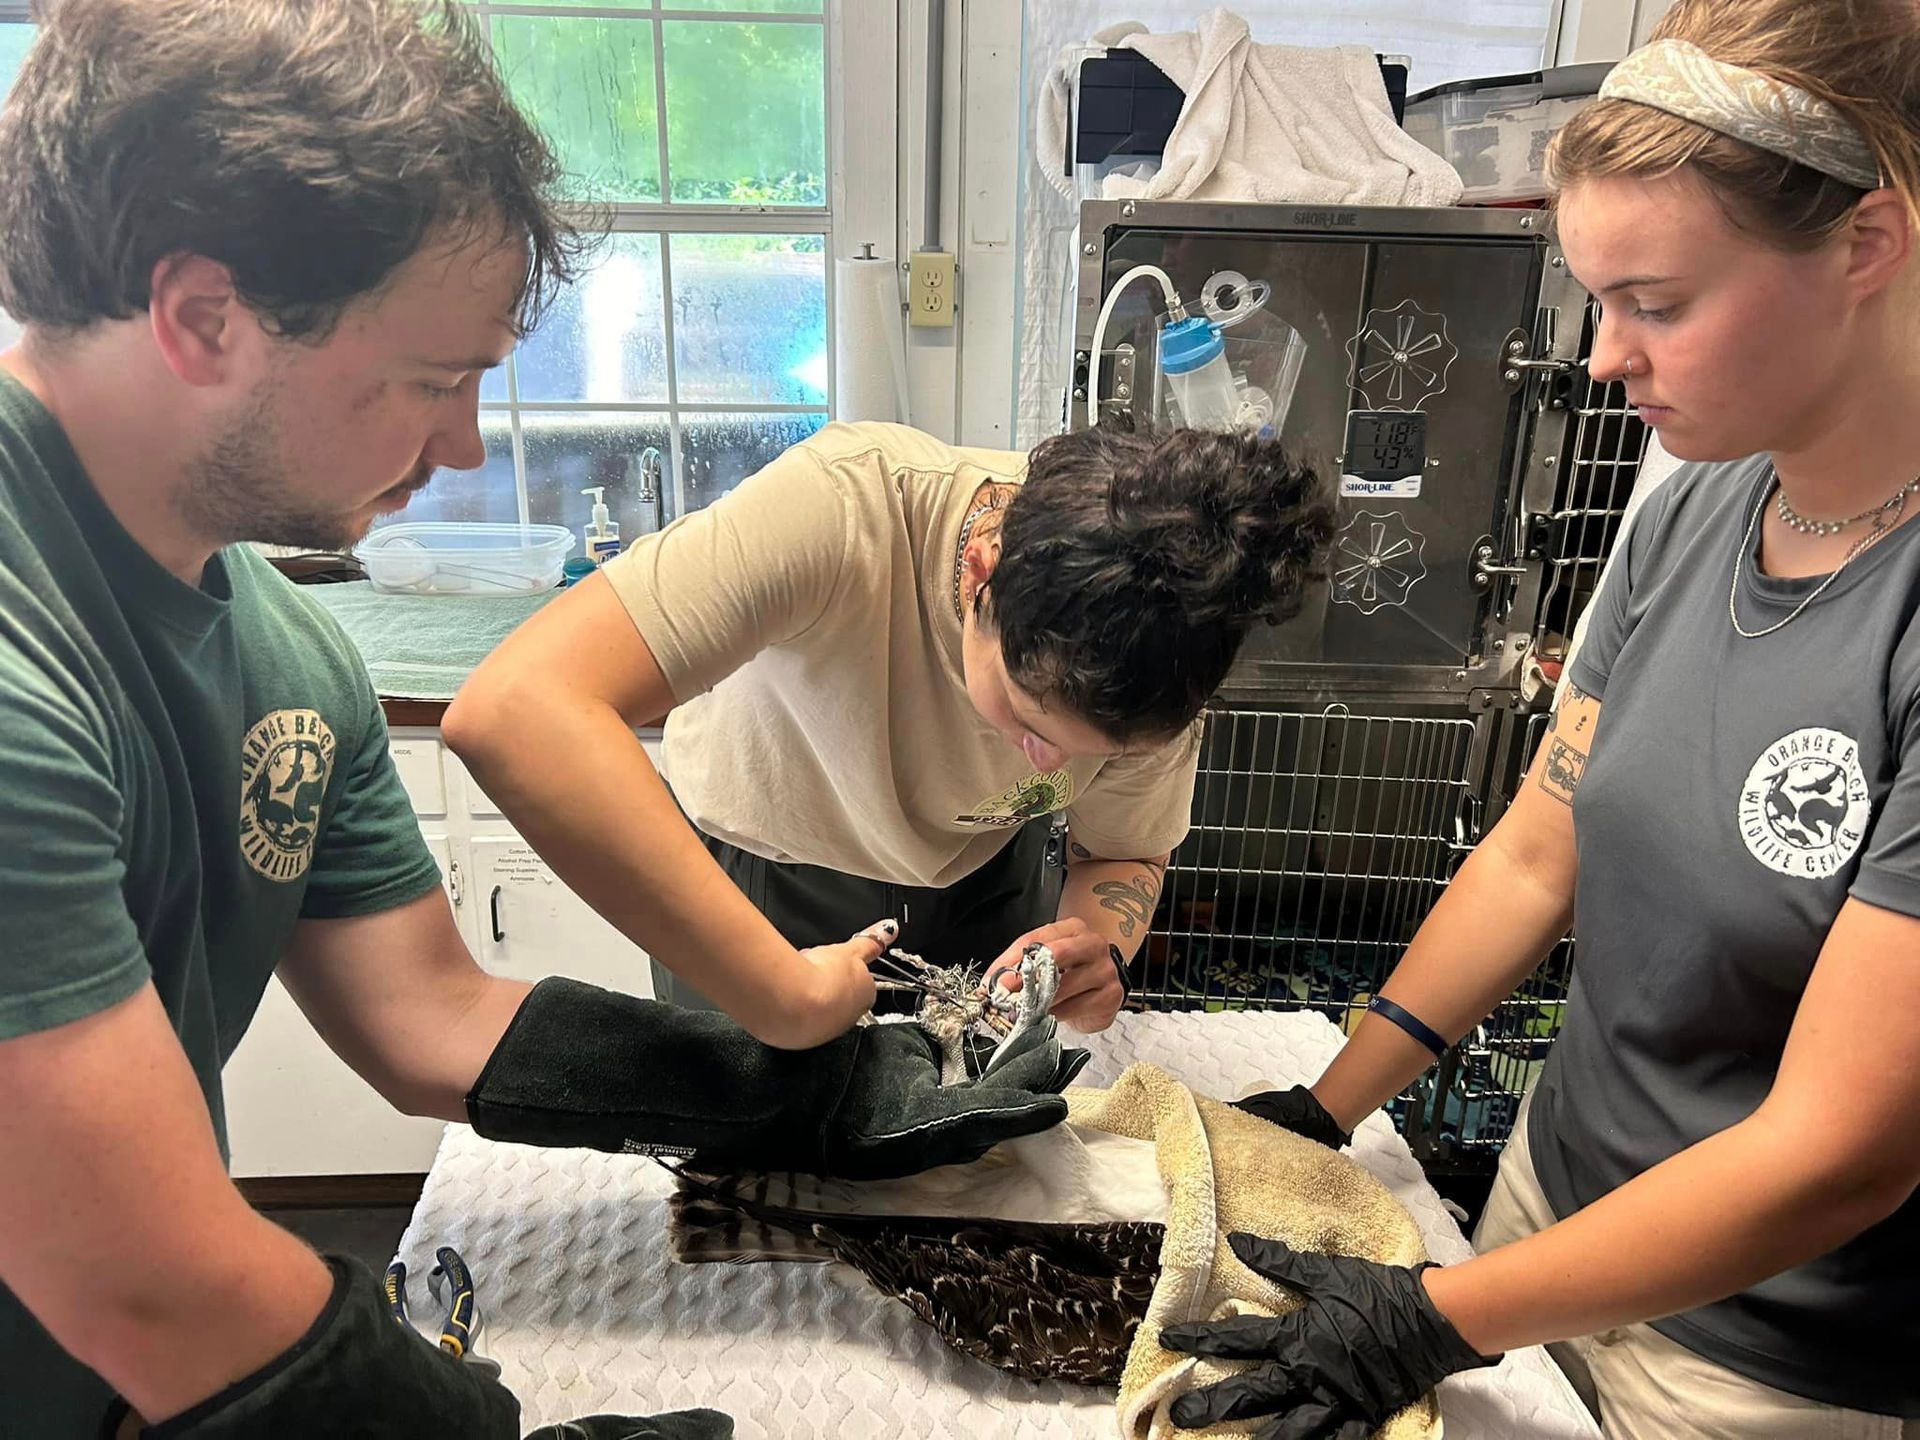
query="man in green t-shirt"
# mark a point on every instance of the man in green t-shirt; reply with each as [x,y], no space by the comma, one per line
[262,254]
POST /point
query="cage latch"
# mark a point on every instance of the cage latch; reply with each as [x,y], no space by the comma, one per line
[1485,567]
[1516,364]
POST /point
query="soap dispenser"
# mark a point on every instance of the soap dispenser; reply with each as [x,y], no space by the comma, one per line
[603,534]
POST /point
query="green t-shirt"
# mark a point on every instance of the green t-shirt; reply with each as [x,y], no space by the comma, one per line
[185,773]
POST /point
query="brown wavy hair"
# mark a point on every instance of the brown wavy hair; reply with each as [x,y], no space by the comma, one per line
[310,147]
[1132,566]
[1860,56]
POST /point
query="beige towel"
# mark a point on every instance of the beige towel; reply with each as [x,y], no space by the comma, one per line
[1225,1170]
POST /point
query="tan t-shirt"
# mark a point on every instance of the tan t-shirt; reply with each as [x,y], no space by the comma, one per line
[805,625]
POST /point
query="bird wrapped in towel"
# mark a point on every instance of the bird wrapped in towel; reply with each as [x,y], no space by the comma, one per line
[1046,1301]
[1062,1255]
[1043,1301]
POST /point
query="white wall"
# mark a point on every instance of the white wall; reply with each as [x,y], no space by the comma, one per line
[1606,29]
[970,402]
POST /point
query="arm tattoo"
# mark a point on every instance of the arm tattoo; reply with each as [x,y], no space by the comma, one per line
[1573,695]
[1132,900]
[1077,851]
[1560,776]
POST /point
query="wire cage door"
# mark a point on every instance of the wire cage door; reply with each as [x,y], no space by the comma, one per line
[1320,841]
[1464,1110]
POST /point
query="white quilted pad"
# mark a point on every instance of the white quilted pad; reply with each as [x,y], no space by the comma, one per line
[587,1314]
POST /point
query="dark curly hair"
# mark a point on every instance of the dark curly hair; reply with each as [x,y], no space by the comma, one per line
[1133,564]
[310,148]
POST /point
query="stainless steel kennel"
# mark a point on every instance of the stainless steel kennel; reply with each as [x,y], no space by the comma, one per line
[1358,753]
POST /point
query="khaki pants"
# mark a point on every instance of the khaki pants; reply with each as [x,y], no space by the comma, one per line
[1644,1386]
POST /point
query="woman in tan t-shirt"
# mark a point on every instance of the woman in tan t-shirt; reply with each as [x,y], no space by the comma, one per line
[885,657]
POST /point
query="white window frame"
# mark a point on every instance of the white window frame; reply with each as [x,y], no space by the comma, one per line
[860,176]
[859,45]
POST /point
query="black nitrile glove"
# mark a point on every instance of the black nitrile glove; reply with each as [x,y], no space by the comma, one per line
[354,1371]
[1368,1343]
[584,1066]
[679,1425]
[1297,1110]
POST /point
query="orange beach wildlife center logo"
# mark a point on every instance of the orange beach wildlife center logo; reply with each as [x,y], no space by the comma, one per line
[1019,803]
[1805,807]
[284,767]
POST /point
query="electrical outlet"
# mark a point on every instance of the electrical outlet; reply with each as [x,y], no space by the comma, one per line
[931,293]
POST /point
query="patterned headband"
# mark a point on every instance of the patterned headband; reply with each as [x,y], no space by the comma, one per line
[1680,78]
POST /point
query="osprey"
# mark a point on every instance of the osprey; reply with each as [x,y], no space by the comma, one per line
[1046,1301]
[1061,1255]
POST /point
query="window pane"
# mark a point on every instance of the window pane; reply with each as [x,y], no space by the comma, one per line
[484,494]
[784,7]
[604,338]
[589,84]
[746,113]
[14,41]
[722,450]
[750,318]
[568,451]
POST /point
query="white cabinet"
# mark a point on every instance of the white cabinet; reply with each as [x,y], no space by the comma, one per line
[520,919]
[293,1108]
[531,925]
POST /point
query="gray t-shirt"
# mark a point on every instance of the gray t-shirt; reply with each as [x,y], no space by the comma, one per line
[1739,791]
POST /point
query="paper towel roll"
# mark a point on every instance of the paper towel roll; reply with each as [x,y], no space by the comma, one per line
[869,345]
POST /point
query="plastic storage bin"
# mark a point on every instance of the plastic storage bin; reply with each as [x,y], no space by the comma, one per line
[1495,131]
[440,557]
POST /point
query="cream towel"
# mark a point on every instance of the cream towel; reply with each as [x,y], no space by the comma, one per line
[1225,1170]
[1275,123]
[1150,1149]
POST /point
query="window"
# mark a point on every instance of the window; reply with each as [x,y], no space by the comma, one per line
[701,329]
[15,36]
[700,134]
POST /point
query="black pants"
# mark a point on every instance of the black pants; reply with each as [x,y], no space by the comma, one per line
[970,922]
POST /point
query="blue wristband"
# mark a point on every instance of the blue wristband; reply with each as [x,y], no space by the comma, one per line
[1408,1022]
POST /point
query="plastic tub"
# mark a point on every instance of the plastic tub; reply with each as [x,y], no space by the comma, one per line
[1495,131]
[443,557]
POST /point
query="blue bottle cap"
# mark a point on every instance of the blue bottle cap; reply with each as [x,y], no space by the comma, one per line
[1189,344]
[576,570]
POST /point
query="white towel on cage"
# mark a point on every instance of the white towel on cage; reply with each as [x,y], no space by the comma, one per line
[1274,123]
[1056,101]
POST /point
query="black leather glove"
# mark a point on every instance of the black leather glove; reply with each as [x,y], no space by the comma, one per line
[680,1425]
[1298,1111]
[584,1066]
[1367,1343]
[354,1371]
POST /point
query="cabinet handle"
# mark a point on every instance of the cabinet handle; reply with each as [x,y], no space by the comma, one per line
[493,915]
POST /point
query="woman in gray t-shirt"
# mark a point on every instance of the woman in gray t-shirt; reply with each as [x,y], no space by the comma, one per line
[1707,1204]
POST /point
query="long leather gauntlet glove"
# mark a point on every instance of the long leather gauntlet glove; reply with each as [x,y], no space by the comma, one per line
[582,1066]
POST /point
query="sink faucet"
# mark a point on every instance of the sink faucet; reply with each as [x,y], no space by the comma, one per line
[652,491]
